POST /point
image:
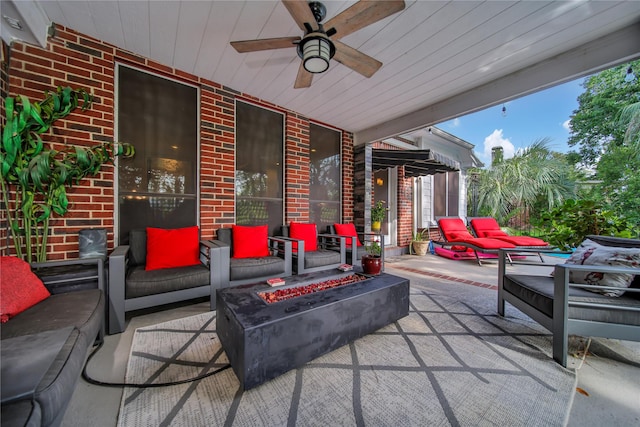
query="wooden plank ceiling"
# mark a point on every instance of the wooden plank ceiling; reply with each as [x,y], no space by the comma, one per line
[441,59]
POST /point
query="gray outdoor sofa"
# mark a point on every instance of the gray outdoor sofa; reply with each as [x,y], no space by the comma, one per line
[131,287]
[566,308]
[45,347]
[241,271]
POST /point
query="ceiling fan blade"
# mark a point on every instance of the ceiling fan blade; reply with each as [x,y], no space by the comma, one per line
[264,44]
[356,60]
[303,79]
[301,13]
[361,14]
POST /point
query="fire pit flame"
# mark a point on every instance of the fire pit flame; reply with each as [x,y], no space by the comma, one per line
[288,293]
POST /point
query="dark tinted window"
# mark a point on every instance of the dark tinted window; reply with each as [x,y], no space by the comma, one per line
[158,187]
[324,178]
[259,167]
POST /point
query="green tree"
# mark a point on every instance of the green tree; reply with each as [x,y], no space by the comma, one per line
[595,125]
[606,128]
[534,176]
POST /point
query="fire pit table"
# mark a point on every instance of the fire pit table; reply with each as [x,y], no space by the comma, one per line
[263,340]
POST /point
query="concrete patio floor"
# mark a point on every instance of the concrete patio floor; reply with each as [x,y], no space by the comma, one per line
[608,388]
[608,375]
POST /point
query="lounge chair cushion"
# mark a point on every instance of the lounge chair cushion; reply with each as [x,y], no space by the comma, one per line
[454,230]
[592,253]
[489,227]
[170,248]
[250,242]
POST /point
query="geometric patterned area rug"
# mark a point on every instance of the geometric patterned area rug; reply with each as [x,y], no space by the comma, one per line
[447,363]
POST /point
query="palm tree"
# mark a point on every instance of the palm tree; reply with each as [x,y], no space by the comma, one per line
[630,117]
[512,186]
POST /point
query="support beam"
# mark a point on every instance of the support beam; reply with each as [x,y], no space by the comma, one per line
[597,55]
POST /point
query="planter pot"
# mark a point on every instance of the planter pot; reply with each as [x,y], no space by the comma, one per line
[371,264]
[420,247]
[375,226]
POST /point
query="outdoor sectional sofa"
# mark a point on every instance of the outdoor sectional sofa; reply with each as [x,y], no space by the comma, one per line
[566,308]
[44,349]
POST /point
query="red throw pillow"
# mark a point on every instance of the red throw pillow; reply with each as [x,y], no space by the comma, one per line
[168,248]
[20,288]
[306,232]
[348,230]
[250,242]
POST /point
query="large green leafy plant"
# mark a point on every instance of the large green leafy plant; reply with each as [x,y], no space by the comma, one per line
[35,175]
[571,222]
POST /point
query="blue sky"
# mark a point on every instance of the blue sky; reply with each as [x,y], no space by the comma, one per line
[544,114]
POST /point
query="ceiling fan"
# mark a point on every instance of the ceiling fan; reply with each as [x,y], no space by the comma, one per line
[318,45]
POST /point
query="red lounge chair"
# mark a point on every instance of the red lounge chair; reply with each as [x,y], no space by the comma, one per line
[489,227]
[455,234]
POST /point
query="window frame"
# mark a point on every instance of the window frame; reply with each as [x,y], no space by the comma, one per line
[340,133]
[282,160]
[116,107]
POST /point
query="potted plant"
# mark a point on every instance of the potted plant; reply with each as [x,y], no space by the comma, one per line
[378,212]
[34,175]
[419,243]
[372,260]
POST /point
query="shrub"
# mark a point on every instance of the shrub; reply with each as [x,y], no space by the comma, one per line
[570,223]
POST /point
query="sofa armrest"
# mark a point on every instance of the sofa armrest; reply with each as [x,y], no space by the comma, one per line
[327,241]
[41,267]
[220,257]
[283,248]
[26,359]
[118,260]
[561,302]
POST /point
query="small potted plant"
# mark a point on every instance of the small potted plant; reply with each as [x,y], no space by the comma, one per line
[378,212]
[372,261]
[419,243]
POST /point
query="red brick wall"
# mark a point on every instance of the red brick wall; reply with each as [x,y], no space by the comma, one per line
[347,174]
[296,173]
[76,60]
[4,88]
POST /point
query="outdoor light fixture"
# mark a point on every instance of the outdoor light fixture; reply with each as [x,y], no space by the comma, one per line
[630,76]
[316,50]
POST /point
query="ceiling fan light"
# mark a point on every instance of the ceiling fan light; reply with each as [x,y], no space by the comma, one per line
[316,53]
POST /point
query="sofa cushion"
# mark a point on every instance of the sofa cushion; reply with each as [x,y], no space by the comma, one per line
[81,309]
[320,258]
[138,247]
[249,268]
[26,359]
[592,253]
[20,288]
[250,242]
[537,291]
[306,232]
[169,248]
[140,282]
[84,311]
[348,230]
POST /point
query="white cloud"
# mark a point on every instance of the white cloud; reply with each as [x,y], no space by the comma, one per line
[496,139]
[567,125]
[455,123]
